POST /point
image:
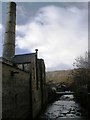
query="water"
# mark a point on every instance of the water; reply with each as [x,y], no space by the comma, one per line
[65,108]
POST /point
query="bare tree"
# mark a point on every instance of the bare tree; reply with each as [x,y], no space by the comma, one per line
[81,72]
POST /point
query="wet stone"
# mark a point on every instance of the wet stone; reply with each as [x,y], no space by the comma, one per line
[64,109]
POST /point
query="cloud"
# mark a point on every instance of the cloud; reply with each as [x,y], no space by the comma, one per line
[21,10]
[0,27]
[59,33]
[22,14]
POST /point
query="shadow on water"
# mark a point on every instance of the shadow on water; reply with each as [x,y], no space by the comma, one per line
[65,108]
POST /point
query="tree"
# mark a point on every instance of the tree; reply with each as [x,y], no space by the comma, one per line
[81,72]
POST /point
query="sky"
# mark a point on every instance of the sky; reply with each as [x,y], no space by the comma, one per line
[47,0]
[59,30]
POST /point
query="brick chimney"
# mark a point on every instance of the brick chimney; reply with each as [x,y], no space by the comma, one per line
[9,36]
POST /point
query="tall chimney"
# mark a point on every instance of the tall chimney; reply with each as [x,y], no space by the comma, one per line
[9,36]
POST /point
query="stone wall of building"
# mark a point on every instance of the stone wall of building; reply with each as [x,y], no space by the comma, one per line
[0,91]
[38,78]
[36,102]
[42,81]
[21,98]
[15,92]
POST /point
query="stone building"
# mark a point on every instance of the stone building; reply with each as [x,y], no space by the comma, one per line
[23,77]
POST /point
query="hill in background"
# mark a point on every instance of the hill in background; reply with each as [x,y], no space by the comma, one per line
[62,76]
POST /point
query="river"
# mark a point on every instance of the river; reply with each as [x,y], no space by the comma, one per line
[65,108]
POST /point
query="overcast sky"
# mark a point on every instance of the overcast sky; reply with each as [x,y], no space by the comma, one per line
[59,30]
[47,0]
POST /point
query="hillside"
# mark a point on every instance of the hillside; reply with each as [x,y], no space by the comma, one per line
[60,76]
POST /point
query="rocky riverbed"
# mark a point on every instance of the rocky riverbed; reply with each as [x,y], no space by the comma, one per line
[64,108]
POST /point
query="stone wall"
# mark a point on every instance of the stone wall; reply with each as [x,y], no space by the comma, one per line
[15,92]
[36,103]
[0,90]
[42,80]
[39,93]
[21,98]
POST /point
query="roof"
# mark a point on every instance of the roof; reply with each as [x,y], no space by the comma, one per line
[23,58]
[4,60]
